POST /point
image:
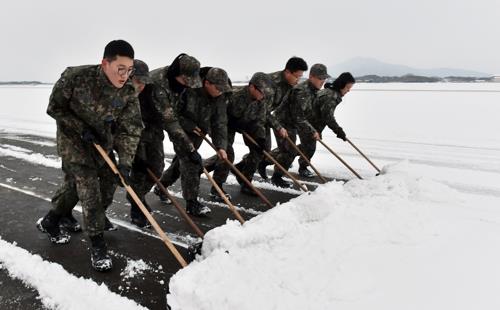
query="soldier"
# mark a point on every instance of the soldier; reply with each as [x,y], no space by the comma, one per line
[149,153]
[284,81]
[246,112]
[295,114]
[328,99]
[93,104]
[170,83]
[200,109]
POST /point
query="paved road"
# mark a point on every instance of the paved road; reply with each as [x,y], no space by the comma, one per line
[25,192]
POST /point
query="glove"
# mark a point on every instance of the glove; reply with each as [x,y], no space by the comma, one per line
[341,134]
[195,158]
[125,173]
[88,136]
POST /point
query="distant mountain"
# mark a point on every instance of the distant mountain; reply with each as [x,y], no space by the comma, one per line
[21,83]
[360,66]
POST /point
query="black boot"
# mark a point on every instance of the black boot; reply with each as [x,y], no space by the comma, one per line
[262,169]
[247,190]
[277,180]
[305,173]
[108,226]
[69,223]
[194,207]
[163,198]
[193,250]
[136,216]
[214,194]
[49,224]
[99,257]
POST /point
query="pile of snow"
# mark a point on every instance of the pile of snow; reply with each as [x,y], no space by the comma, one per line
[396,241]
[57,288]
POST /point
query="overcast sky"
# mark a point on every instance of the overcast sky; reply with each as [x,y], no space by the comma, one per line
[40,38]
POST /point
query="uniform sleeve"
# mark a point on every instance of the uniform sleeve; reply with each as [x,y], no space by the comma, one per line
[219,123]
[186,123]
[59,107]
[300,100]
[259,131]
[179,138]
[129,128]
[327,105]
[272,120]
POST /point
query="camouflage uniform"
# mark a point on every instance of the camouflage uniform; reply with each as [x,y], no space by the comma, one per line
[294,114]
[323,113]
[244,115]
[281,89]
[84,100]
[150,149]
[197,109]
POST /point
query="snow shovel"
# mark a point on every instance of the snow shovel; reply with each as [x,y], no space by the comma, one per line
[238,172]
[339,158]
[359,151]
[300,185]
[139,203]
[176,204]
[305,158]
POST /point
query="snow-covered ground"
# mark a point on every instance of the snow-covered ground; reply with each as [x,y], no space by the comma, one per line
[421,235]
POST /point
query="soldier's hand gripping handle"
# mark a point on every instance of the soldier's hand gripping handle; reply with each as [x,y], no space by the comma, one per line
[124,172]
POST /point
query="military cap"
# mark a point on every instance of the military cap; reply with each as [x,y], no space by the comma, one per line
[141,71]
[319,71]
[263,83]
[190,68]
[218,77]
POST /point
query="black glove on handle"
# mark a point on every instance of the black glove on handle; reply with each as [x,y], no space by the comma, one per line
[341,134]
[125,173]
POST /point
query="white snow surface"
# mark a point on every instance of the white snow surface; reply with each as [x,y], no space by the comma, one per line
[396,241]
[422,235]
[57,288]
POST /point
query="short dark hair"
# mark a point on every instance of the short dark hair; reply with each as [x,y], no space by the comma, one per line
[118,48]
[295,64]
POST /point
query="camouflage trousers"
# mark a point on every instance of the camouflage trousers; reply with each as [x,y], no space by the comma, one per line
[285,153]
[93,187]
[189,172]
[218,166]
[247,166]
[149,155]
[282,144]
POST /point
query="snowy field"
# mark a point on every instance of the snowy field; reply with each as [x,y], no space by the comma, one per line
[422,235]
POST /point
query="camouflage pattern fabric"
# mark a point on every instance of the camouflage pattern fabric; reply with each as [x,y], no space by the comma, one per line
[244,115]
[165,102]
[197,109]
[324,112]
[295,113]
[150,152]
[83,99]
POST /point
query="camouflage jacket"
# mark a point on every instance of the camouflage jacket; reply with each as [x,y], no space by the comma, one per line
[151,117]
[165,102]
[324,110]
[247,114]
[281,89]
[83,99]
[295,110]
[197,109]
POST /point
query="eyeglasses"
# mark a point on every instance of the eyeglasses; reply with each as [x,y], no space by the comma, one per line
[123,71]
